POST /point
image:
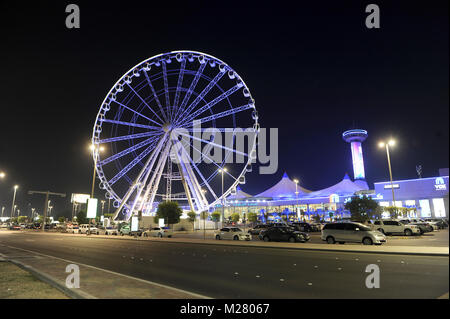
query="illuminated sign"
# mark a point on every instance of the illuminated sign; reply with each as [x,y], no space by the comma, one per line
[393,186]
[334,198]
[357,158]
[161,222]
[440,184]
[134,223]
[80,198]
[92,208]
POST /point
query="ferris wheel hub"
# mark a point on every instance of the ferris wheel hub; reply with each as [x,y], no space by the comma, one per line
[167,127]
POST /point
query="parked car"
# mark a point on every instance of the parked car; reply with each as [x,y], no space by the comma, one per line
[389,227]
[126,230]
[424,227]
[257,229]
[351,232]
[231,233]
[85,229]
[14,227]
[158,232]
[289,234]
[306,227]
[3,226]
[111,231]
[439,223]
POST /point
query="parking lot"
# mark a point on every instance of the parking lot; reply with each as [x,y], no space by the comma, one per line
[439,238]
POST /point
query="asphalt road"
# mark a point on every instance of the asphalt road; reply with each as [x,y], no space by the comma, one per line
[221,271]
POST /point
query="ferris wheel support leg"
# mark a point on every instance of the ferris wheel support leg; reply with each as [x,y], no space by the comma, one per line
[189,176]
[152,186]
[130,191]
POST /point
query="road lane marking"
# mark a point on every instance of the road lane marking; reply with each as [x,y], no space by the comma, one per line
[119,274]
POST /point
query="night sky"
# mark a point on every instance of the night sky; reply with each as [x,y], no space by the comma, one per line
[314,71]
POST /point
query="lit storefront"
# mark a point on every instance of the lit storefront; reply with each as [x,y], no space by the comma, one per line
[428,197]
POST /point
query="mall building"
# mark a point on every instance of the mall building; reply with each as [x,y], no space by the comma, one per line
[429,196]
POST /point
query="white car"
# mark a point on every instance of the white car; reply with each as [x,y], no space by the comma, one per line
[111,231]
[84,229]
[231,233]
[395,227]
[158,232]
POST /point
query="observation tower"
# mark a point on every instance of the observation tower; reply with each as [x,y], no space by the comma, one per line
[355,138]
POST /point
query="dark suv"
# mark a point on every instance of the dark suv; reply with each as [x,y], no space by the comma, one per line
[306,227]
[257,229]
[283,234]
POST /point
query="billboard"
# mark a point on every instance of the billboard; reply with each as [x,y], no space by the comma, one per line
[134,223]
[92,208]
[79,198]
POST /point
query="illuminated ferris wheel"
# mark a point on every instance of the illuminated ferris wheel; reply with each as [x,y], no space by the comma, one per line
[162,125]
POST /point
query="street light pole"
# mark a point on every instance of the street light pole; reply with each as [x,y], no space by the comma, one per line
[95,151]
[223,170]
[14,199]
[296,194]
[390,172]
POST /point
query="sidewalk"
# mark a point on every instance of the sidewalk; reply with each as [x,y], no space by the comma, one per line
[94,282]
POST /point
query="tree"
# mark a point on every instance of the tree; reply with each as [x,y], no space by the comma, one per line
[81,217]
[22,219]
[396,211]
[170,211]
[235,217]
[61,219]
[316,218]
[192,216]
[215,217]
[252,217]
[204,215]
[362,208]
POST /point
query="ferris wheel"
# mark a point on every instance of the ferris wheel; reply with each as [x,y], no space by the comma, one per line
[163,125]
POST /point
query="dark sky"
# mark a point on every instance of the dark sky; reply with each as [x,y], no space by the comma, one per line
[314,71]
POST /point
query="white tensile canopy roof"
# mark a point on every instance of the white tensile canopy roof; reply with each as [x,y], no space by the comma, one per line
[285,188]
[239,194]
[344,187]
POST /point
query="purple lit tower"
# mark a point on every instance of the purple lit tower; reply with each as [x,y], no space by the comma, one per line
[355,138]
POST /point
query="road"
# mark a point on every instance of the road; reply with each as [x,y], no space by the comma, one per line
[221,271]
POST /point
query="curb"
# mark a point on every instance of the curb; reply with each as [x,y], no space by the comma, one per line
[51,281]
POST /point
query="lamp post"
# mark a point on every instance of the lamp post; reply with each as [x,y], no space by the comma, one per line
[222,171]
[14,199]
[296,195]
[3,209]
[383,144]
[95,150]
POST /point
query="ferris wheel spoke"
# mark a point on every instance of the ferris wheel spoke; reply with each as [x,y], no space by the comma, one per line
[128,150]
[199,173]
[133,163]
[214,144]
[211,104]
[128,137]
[155,95]
[212,161]
[191,88]
[202,94]
[131,124]
[135,112]
[179,84]
[143,101]
[166,86]
[220,115]
[136,182]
